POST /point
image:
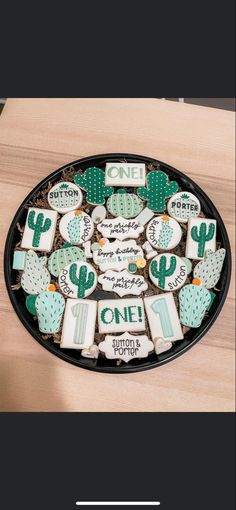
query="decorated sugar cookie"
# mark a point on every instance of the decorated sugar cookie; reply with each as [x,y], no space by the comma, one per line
[123,283]
[145,216]
[79,324]
[91,352]
[201,237]
[19,259]
[158,190]
[188,263]
[209,269]
[76,227]
[150,252]
[194,301]
[162,345]
[163,233]
[127,205]
[65,197]
[93,182]
[39,229]
[87,249]
[183,205]
[163,318]
[64,256]
[119,315]
[168,271]
[117,255]
[126,346]
[78,280]
[125,174]
[99,214]
[35,277]
[49,307]
[120,228]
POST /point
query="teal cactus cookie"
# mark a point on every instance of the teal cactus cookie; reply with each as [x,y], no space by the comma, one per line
[162,271]
[49,307]
[127,205]
[202,235]
[63,257]
[194,301]
[39,224]
[93,182]
[165,235]
[73,228]
[84,281]
[35,277]
[158,190]
[209,269]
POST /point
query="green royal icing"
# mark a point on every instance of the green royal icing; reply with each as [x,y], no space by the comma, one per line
[127,205]
[157,190]
[93,182]
[162,271]
[202,236]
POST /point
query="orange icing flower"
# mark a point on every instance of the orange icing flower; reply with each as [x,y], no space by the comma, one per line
[197,281]
[165,218]
[140,263]
[102,242]
[78,212]
[51,287]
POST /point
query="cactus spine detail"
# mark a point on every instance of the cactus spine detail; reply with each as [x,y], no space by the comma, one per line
[73,228]
[193,301]
[158,189]
[202,236]
[162,272]
[63,257]
[84,281]
[35,277]
[39,226]
[93,182]
[165,235]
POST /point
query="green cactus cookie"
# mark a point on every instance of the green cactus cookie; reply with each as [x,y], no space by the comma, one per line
[127,205]
[160,271]
[158,190]
[35,277]
[93,182]
[30,304]
[39,225]
[209,269]
[202,235]
[49,307]
[73,228]
[62,257]
[193,301]
[84,281]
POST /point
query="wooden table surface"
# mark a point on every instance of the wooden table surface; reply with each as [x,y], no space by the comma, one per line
[38,136]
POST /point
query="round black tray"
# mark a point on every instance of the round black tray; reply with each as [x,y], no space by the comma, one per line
[102,364]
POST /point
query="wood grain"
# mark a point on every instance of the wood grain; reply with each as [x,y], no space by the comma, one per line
[39,135]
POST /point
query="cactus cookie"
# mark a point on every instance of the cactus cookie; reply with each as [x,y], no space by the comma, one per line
[168,272]
[127,205]
[62,257]
[209,269]
[78,280]
[76,227]
[93,182]
[39,229]
[158,190]
[183,205]
[49,307]
[163,232]
[201,237]
[35,277]
[65,197]
[193,301]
